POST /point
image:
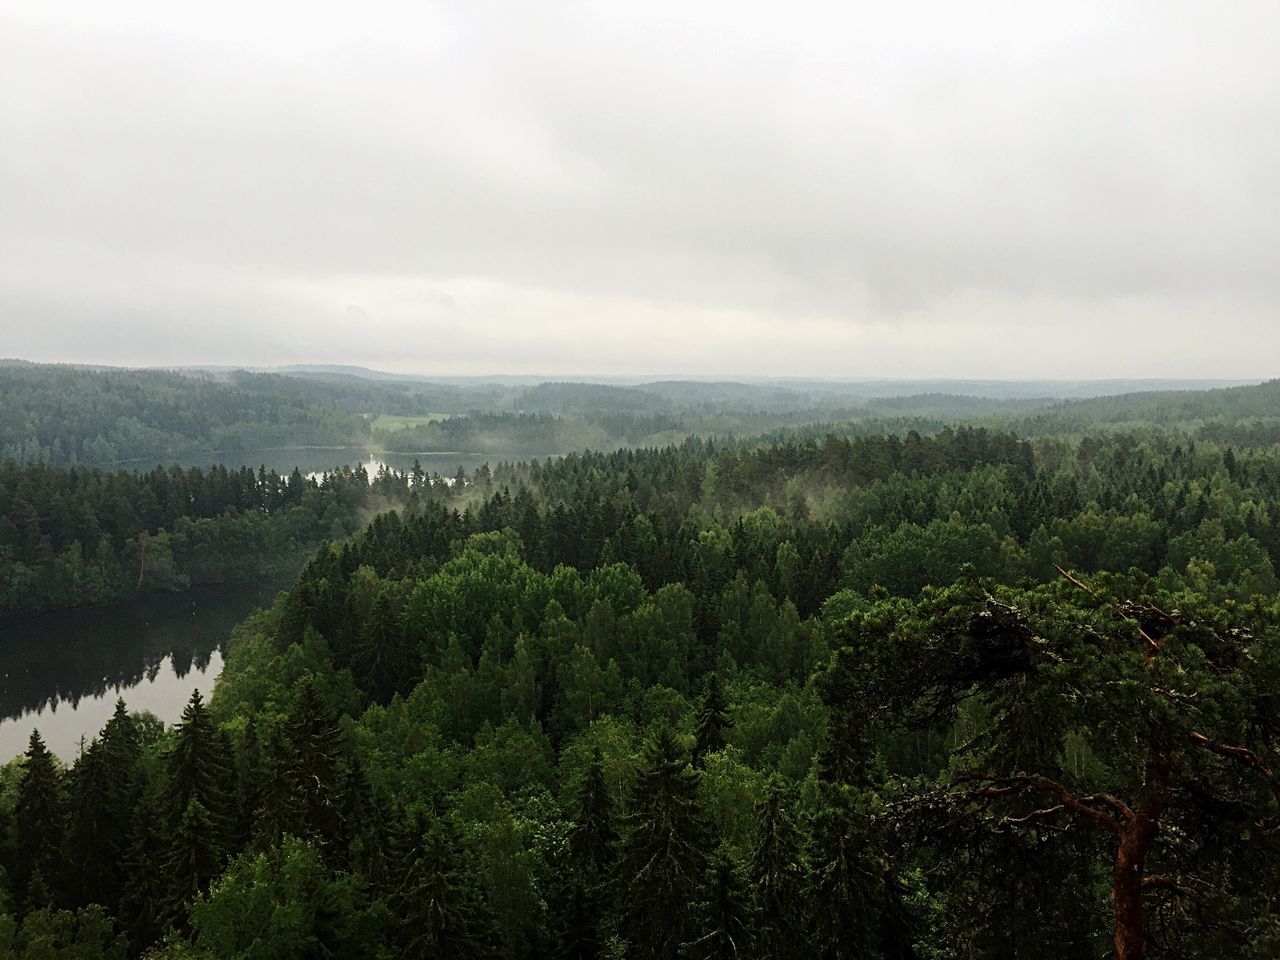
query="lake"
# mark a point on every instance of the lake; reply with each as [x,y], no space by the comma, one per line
[319,459]
[61,672]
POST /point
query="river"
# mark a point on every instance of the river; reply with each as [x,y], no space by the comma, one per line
[61,672]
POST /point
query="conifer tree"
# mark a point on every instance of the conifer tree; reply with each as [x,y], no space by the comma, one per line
[279,809]
[434,895]
[94,838]
[248,782]
[39,823]
[143,898]
[725,917]
[315,739]
[712,721]
[195,858]
[592,841]
[199,769]
[199,800]
[383,663]
[846,890]
[779,877]
[662,857]
[365,826]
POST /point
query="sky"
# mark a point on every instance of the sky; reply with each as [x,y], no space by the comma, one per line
[912,189]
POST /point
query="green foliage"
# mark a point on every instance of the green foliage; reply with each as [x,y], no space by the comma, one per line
[285,905]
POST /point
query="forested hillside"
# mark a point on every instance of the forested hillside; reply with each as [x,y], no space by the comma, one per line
[942,696]
[77,535]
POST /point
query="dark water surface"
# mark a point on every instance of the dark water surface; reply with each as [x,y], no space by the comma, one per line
[61,672]
[319,459]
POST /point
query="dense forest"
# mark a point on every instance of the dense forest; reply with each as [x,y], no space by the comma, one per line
[77,535]
[924,695]
[64,415]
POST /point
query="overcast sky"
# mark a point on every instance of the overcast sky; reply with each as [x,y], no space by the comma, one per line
[906,189]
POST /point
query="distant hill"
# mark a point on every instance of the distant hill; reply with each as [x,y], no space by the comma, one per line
[1245,414]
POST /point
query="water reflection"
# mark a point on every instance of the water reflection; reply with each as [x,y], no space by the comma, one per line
[61,672]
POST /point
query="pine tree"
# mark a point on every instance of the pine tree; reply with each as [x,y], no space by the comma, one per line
[662,859]
[39,823]
[725,917]
[779,878]
[712,721]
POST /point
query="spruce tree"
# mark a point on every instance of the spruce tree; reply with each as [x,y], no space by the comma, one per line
[248,782]
[366,839]
[94,838]
[662,857]
[199,805]
[106,784]
[847,890]
[39,820]
[434,894]
[195,858]
[383,662]
[279,809]
[199,768]
[725,917]
[712,721]
[592,841]
[779,878]
[315,739]
[143,898]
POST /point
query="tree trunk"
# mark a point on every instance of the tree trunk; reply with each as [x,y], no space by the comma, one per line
[1131,914]
[1135,840]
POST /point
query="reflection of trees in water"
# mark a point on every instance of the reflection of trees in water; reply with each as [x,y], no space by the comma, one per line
[65,656]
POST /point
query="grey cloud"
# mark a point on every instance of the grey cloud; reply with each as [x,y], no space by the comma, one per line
[726,177]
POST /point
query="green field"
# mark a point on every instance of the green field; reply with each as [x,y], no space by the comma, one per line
[391,421]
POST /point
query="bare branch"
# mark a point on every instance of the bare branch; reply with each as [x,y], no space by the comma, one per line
[1034,815]
[1241,755]
[1013,785]
[1073,581]
[1115,803]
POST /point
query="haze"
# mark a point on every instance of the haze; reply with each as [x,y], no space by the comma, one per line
[990,189]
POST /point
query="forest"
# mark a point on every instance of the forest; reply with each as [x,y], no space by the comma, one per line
[1003,689]
[111,417]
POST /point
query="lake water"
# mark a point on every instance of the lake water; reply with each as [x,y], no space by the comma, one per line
[61,672]
[318,459]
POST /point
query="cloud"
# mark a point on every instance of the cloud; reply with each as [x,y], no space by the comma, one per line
[917,189]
